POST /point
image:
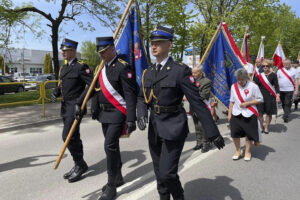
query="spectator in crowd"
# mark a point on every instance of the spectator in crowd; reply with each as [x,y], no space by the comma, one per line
[288,81]
[268,85]
[204,86]
[243,115]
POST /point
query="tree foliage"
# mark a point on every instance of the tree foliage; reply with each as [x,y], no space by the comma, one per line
[105,12]
[89,54]
[48,64]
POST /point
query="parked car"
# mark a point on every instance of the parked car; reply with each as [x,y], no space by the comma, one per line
[30,86]
[40,78]
[10,88]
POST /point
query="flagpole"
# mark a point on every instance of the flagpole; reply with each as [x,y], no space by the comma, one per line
[98,69]
[141,30]
[245,35]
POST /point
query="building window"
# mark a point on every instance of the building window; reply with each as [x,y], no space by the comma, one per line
[13,69]
[35,71]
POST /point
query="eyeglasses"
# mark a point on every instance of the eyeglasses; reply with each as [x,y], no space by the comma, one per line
[265,65]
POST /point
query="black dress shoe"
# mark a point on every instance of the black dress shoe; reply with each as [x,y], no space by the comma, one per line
[78,171]
[205,148]
[197,147]
[164,197]
[68,174]
[109,194]
[285,120]
[119,182]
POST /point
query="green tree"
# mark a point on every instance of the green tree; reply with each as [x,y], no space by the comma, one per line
[48,64]
[105,12]
[89,54]
[171,13]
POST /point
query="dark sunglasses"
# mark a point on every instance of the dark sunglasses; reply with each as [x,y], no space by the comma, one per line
[265,65]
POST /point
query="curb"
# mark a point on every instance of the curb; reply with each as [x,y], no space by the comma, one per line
[34,124]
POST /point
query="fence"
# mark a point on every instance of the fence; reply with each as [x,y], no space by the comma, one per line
[38,93]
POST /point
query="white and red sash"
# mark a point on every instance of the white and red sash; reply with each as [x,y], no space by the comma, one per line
[207,103]
[251,108]
[111,94]
[266,83]
[256,71]
[286,73]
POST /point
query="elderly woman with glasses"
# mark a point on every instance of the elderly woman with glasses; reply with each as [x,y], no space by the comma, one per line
[243,114]
[268,85]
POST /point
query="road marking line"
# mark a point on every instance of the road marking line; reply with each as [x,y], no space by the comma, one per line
[140,193]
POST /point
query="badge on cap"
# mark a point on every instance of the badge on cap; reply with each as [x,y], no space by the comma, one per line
[129,75]
[192,80]
[88,71]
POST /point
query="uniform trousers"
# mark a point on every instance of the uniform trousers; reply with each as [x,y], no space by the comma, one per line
[165,157]
[201,139]
[75,145]
[112,134]
[286,102]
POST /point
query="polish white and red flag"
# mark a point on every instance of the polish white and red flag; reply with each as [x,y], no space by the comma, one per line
[261,50]
[278,57]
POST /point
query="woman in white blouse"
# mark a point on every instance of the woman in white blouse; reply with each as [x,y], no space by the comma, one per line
[243,115]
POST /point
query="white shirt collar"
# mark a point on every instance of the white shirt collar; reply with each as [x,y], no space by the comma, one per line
[111,61]
[164,62]
[70,62]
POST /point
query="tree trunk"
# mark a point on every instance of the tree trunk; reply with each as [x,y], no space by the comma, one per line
[55,49]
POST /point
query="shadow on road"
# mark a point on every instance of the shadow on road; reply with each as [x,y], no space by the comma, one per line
[26,162]
[211,189]
[277,128]
[100,167]
[138,174]
[261,152]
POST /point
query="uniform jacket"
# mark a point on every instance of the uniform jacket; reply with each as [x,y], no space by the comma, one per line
[74,79]
[204,86]
[122,79]
[172,82]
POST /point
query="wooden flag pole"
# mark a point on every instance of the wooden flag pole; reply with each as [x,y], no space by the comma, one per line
[98,69]
[211,43]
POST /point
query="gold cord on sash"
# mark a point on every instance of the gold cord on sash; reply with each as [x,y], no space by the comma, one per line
[147,100]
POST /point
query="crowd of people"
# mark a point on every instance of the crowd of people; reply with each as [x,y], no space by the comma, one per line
[254,100]
[118,104]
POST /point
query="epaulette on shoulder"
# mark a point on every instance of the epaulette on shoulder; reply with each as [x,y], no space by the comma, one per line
[81,62]
[181,64]
[122,61]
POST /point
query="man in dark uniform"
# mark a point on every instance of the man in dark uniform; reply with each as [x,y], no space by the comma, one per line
[204,86]
[163,87]
[74,76]
[114,105]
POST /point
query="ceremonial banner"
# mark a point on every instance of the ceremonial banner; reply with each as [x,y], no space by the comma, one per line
[131,47]
[221,59]
[278,57]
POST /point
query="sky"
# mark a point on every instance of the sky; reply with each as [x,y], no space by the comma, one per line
[72,31]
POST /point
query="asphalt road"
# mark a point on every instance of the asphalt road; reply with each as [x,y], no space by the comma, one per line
[27,158]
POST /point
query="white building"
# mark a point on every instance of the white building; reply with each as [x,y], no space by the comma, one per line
[27,60]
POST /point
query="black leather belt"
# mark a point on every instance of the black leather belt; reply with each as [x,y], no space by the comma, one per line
[107,107]
[165,109]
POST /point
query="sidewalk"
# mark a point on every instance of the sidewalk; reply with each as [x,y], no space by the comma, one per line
[28,116]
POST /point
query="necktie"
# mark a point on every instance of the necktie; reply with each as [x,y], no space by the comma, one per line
[158,67]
